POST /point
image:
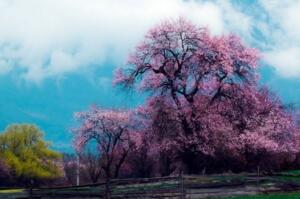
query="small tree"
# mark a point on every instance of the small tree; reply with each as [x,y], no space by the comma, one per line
[27,155]
[110,130]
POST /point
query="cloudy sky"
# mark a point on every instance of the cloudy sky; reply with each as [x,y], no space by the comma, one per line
[57,56]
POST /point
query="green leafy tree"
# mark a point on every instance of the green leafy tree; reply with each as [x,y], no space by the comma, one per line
[27,155]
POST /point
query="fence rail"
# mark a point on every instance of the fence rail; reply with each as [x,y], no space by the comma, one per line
[175,187]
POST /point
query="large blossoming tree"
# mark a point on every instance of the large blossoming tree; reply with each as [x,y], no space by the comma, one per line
[204,95]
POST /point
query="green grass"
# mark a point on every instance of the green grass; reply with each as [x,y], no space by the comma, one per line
[214,179]
[291,173]
[290,176]
[12,193]
[295,195]
[230,178]
[7,191]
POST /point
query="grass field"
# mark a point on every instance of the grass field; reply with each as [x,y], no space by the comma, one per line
[11,191]
[295,195]
[295,173]
[213,186]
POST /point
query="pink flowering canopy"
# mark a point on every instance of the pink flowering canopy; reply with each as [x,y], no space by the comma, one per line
[181,58]
[204,95]
[184,62]
[101,125]
[114,135]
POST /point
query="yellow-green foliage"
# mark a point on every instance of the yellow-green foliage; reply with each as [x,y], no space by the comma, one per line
[27,154]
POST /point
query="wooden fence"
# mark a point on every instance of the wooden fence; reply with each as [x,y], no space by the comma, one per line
[173,187]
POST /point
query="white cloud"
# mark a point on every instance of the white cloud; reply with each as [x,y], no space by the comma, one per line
[286,61]
[284,34]
[52,38]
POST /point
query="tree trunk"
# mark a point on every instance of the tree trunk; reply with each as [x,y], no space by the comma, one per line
[204,171]
[30,192]
[78,171]
[107,189]
[31,184]
[181,177]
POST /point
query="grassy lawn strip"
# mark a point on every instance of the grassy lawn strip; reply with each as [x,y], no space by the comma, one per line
[294,195]
[295,173]
[11,191]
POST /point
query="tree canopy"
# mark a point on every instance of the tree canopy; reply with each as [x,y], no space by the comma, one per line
[27,155]
[205,97]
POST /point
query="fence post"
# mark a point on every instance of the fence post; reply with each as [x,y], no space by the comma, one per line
[78,170]
[257,181]
[182,185]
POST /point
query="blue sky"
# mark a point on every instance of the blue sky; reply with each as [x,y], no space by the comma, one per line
[57,56]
